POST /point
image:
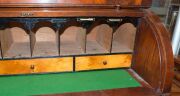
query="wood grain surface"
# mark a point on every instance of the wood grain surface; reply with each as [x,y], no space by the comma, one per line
[70,3]
[103,62]
[10,67]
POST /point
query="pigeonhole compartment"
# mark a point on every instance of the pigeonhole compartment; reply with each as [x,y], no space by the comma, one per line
[44,42]
[124,38]
[15,43]
[72,41]
[99,39]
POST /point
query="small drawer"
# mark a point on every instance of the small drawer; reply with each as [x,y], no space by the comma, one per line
[9,67]
[103,62]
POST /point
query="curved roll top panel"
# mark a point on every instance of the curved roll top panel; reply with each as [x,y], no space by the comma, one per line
[153,53]
[69,3]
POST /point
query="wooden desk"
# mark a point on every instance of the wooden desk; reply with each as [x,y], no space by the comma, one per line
[101,33]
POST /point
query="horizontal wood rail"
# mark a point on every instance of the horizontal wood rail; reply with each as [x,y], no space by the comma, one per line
[73,3]
[67,12]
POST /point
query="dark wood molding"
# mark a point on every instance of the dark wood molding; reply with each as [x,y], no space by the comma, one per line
[61,12]
[74,3]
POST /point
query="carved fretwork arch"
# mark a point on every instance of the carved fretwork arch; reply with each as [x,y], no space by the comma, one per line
[72,38]
[43,24]
[16,24]
[124,38]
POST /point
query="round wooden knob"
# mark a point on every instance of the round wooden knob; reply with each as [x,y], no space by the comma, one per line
[32,67]
[104,62]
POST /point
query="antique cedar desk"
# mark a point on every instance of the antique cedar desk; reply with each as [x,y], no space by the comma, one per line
[52,36]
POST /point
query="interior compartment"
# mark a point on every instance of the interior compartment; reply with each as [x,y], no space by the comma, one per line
[124,38]
[15,43]
[72,41]
[44,42]
[99,39]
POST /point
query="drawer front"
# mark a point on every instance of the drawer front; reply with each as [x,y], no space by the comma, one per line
[9,67]
[103,62]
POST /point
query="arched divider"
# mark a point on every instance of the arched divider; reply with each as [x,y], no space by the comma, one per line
[99,38]
[72,38]
[44,40]
[124,38]
[15,41]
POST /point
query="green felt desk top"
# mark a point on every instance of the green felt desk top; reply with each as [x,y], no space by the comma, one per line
[65,82]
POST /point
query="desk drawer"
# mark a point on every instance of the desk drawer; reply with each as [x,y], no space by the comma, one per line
[8,67]
[103,62]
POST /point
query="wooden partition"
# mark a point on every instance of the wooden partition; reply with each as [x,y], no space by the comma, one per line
[99,39]
[45,42]
[123,38]
[72,41]
[15,43]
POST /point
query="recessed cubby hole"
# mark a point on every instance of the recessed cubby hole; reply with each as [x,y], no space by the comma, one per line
[72,41]
[15,43]
[123,38]
[99,39]
[44,42]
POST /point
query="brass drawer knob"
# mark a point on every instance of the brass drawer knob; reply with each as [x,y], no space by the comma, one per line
[104,62]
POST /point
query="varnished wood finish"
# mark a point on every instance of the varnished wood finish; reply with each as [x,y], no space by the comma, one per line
[10,67]
[175,91]
[72,3]
[153,58]
[103,62]
[176,80]
[139,91]
[177,62]
[61,12]
[59,1]
[177,75]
